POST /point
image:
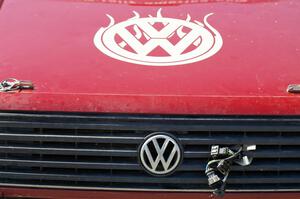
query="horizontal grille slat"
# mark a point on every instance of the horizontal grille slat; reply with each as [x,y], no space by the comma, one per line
[68,151]
[246,140]
[73,164]
[144,179]
[96,151]
[136,166]
[260,167]
[257,154]
[151,127]
[153,123]
[66,138]
[102,178]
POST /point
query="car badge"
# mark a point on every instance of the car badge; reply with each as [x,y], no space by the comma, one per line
[160,154]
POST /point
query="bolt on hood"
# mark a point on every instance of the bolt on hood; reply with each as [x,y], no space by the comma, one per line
[51,43]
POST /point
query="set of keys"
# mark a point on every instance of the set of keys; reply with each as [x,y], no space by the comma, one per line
[12,84]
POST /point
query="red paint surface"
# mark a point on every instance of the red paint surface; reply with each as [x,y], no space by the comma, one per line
[50,42]
[73,194]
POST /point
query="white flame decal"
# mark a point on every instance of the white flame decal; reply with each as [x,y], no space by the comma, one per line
[206,40]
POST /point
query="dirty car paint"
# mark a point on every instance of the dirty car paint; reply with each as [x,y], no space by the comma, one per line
[50,43]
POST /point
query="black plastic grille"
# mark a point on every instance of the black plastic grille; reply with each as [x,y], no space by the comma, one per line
[100,151]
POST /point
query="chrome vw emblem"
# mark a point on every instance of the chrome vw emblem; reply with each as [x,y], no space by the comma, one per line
[138,40]
[160,154]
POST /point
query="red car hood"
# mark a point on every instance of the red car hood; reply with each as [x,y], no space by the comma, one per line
[51,43]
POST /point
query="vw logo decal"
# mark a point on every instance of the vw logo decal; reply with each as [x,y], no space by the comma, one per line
[138,40]
[160,154]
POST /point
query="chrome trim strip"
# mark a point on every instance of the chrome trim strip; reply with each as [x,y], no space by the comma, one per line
[140,190]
